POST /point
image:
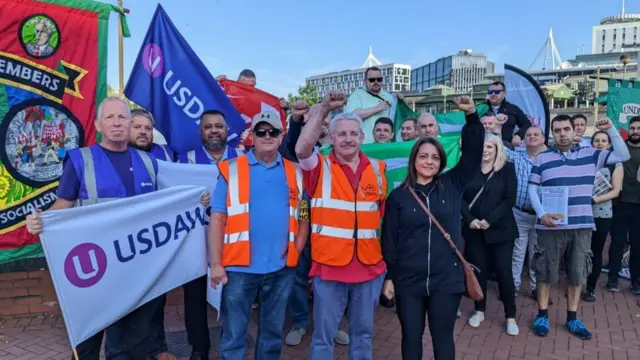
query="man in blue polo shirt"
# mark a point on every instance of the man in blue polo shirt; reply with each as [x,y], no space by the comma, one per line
[101,173]
[567,168]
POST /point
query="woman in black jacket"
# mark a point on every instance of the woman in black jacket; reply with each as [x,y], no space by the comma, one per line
[489,228]
[423,271]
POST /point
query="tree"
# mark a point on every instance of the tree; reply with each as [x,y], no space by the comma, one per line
[306,93]
[113,92]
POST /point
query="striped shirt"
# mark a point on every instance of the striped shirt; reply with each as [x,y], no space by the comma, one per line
[576,170]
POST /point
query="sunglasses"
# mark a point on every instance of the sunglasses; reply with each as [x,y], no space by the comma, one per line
[494,92]
[373,80]
[273,133]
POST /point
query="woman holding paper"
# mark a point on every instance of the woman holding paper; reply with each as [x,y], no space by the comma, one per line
[607,187]
[489,227]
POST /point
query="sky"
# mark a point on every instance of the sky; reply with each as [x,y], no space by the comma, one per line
[284,41]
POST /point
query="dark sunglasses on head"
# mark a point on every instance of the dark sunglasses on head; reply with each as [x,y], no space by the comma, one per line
[273,133]
[372,80]
[494,92]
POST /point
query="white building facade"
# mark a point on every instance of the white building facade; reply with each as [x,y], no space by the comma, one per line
[618,33]
[395,78]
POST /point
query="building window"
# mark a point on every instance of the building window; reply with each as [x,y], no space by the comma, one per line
[396,87]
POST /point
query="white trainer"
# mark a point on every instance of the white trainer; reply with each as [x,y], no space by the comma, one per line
[476,319]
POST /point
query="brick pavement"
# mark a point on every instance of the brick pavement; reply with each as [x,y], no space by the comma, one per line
[614,320]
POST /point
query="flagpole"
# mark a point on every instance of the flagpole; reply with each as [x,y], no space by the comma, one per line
[595,100]
[120,50]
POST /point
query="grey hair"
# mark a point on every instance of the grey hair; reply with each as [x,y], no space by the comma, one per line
[346,116]
[143,113]
[109,99]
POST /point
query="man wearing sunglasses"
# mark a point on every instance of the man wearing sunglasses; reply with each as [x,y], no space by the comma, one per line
[515,116]
[371,103]
[254,239]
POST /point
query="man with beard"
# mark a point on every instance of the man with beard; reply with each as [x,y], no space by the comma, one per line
[371,103]
[213,131]
[141,136]
[515,117]
[409,130]
[626,216]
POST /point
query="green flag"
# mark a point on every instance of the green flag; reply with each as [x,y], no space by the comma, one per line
[396,154]
[623,102]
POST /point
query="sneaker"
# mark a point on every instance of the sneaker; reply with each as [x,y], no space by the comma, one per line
[541,326]
[512,327]
[635,289]
[342,338]
[476,319]
[577,328]
[589,296]
[612,285]
[294,337]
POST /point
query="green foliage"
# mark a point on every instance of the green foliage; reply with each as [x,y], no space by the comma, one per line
[113,92]
[306,93]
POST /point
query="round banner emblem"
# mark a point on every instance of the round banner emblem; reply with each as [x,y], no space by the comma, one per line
[37,134]
[39,36]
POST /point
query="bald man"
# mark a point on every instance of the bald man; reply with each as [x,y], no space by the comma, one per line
[427,125]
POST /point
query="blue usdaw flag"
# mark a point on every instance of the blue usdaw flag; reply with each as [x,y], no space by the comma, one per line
[170,81]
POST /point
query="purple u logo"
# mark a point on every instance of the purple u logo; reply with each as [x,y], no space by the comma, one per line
[85,265]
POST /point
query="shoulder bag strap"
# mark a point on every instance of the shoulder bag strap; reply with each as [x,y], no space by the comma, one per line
[480,191]
[442,230]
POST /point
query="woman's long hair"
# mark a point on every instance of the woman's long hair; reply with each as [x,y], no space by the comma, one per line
[501,158]
[412,175]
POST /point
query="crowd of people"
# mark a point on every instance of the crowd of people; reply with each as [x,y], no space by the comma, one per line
[328,217]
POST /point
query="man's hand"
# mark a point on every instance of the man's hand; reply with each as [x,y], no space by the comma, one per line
[218,276]
[399,96]
[284,104]
[382,106]
[245,134]
[298,110]
[465,104]
[484,225]
[548,220]
[603,124]
[501,119]
[334,100]
[577,140]
[34,223]
[221,77]
[388,289]
[475,225]
[205,199]
[516,140]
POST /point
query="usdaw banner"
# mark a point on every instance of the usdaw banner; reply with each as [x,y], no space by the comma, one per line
[138,248]
[53,62]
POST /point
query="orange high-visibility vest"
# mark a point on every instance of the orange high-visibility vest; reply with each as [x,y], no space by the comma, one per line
[345,224]
[236,246]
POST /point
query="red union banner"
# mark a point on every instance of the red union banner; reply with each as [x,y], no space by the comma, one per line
[250,101]
[53,56]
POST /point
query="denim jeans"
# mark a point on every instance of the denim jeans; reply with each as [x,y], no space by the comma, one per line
[237,297]
[155,343]
[331,299]
[526,240]
[299,298]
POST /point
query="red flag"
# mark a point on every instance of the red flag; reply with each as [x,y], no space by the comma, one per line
[250,101]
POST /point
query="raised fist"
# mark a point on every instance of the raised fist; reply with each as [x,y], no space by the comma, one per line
[299,109]
[501,119]
[334,100]
[603,124]
[465,104]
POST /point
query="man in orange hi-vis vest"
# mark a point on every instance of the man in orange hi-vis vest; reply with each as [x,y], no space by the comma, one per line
[255,239]
[347,191]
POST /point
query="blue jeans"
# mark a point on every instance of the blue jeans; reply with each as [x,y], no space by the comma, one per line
[237,297]
[115,341]
[299,298]
[331,298]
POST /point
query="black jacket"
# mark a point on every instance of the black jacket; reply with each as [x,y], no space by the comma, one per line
[493,205]
[515,116]
[419,259]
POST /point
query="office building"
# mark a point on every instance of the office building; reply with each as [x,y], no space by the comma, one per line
[617,33]
[396,78]
[458,71]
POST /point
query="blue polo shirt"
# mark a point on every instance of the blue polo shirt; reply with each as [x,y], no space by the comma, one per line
[268,214]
